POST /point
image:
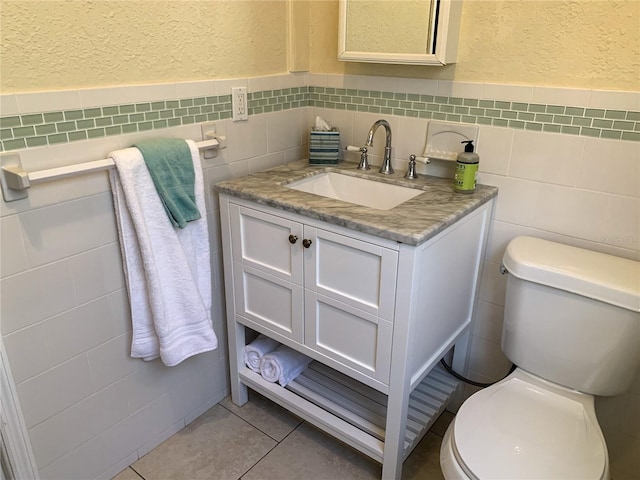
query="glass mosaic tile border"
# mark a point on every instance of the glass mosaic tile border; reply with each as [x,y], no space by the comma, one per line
[50,128]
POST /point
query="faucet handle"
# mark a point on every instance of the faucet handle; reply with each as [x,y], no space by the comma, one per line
[364,160]
[411,171]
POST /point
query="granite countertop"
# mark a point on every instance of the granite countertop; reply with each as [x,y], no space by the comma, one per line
[412,222]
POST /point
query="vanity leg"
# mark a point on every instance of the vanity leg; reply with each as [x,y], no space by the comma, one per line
[239,392]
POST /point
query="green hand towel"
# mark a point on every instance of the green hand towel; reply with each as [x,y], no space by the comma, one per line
[171,167]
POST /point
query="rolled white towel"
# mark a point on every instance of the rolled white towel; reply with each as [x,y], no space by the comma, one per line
[252,354]
[283,365]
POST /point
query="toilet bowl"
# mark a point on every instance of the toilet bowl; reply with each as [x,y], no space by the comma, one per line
[525,428]
[572,328]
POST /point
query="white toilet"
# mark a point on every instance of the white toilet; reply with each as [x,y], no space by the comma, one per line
[572,327]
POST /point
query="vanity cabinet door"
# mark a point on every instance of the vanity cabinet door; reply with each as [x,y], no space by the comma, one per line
[268,270]
[350,290]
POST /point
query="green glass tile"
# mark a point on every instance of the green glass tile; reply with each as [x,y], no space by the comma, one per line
[414,97]
[393,103]
[136,117]
[285,106]
[103,122]
[46,129]
[164,114]
[509,114]
[174,122]
[353,92]
[426,98]
[489,112]
[369,101]
[543,118]
[343,106]
[468,119]
[380,102]
[635,116]
[526,116]
[520,107]
[581,121]
[92,112]
[77,136]
[339,91]
[186,102]
[57,138]
[374,109]
[536,127]
[364,108]
[24,132]
[439,116]
[32,119]
[412,113]
[269,109]
[85,124]
[144,126]
[589,132]
[330,105]
[107,111]
[574,111]
[484,120]
[425,114]
[36,141]
[386,111]
[455,101]
[160,124]
[503,105]
[120,119]
[158,106]
[537,108]
[66,126]
[95,133]
[181,112]
[615,114]
[5,134]
[274,100]
[613,134]
[73,115]
[332,98]
[562,119]
[351,107]
[516,124]
[548,127]
[470,102]
[387,95]
[447,108]
[197,102]
[330,90]
[400,96]
[130,108]
[151,116]
[419,106]
[594,113]
[433,107]
[631,136]
[478,112]
[637,127]
[405,105]
[53,117]
[188,120]
[555,109]
[14,144]
[129,128]
[453,118]
[226,99]
[598,123]
[175,104]
[441,99]
[622,125]
[570,130]
[143,107]
[461,110]
[116,130]
[486,103]
[399,112]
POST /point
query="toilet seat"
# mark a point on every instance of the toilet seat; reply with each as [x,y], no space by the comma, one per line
[524,427]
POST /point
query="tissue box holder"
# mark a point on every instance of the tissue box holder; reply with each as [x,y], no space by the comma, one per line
[324,146]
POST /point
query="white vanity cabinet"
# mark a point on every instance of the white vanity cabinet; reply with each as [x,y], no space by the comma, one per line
[329,292]
[375,314]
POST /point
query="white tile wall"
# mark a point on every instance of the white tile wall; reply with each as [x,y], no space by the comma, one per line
[91,409]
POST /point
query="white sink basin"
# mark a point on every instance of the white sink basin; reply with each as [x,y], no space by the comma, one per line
[361,191]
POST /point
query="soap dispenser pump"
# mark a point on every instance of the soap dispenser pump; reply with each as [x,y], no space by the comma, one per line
[466,169]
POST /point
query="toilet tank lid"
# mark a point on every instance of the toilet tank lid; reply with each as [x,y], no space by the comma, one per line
[603,277]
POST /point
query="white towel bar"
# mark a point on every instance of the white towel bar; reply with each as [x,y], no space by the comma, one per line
[15,181]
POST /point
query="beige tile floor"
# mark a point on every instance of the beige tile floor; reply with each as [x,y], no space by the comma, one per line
[262,441]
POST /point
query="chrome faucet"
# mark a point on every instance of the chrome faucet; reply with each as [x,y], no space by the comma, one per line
[386,167]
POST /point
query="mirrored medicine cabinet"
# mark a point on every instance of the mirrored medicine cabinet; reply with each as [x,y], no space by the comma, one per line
[413,32]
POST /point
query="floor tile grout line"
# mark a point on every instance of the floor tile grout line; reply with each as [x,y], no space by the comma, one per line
[136,472]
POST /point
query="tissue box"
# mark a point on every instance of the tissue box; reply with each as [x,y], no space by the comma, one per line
[324,146]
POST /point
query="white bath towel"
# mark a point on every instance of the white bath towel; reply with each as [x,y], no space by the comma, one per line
[253,353]
[167,269]
[283,365]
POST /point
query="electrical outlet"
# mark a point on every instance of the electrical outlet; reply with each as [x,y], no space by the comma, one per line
[239,107]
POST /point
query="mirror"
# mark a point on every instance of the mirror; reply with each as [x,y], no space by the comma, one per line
[420,32]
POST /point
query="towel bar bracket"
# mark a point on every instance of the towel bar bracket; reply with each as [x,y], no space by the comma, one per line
[15,181]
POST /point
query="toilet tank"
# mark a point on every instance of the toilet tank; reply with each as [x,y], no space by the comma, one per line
[572,316]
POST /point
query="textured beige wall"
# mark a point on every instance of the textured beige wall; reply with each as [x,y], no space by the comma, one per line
[581,44]
[70,44]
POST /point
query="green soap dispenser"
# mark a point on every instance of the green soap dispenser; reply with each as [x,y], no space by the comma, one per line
[466,169]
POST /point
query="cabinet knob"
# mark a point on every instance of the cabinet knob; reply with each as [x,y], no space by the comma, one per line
[293,239]
[306,243]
